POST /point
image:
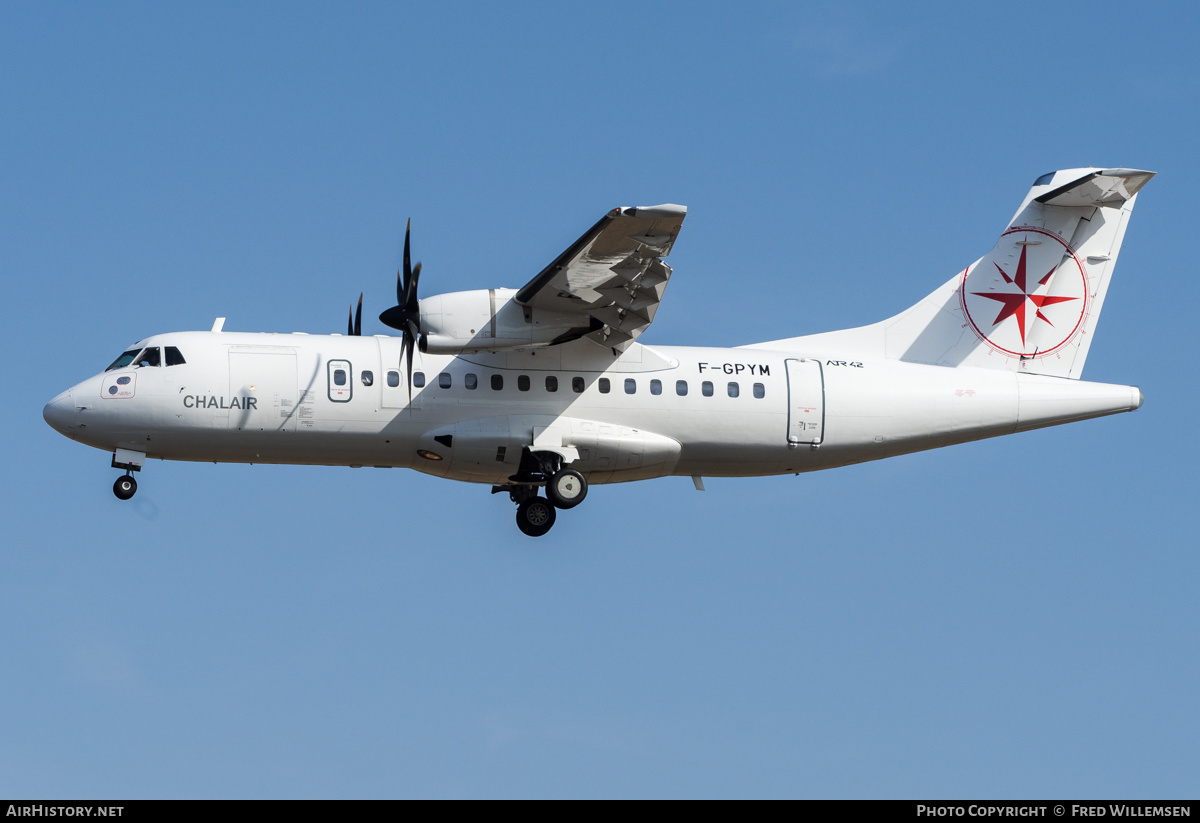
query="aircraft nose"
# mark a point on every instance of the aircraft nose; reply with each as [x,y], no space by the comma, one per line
[60,413]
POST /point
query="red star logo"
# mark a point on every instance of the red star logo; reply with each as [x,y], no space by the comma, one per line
[1014,302]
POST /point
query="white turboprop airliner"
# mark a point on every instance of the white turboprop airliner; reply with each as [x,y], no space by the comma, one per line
[546,386]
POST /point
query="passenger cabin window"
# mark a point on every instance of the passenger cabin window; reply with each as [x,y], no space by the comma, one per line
[734,390]
[124,360]
[150,357]
[630,385]
[681,388]
[471,382]
[419,379]
[523,382]
[393,379]
[706,388]
[551,383]
[497,382]
[174,358]
[760,391]
[368,378]
[577,385]
[656,387]
[444,380]
[604,385]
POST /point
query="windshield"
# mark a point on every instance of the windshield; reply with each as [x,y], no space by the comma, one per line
[124,360]
[150,357]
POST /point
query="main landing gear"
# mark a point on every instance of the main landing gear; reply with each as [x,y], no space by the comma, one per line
[535,516]
[565,489]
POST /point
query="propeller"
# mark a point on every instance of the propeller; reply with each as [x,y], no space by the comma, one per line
[405,316]
[354,321]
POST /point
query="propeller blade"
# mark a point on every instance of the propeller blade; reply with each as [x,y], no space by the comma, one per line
[405,316]
[407,264]
[407,349]
[358,317]
[410,296]
[350,324]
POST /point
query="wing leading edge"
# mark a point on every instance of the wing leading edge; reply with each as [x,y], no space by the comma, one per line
[612,277]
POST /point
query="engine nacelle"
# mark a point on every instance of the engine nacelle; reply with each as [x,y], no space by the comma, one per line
[491,320]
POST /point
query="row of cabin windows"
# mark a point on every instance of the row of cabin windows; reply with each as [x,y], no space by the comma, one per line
[471,382]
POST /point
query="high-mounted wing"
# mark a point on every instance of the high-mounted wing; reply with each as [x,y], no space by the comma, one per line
[613,277]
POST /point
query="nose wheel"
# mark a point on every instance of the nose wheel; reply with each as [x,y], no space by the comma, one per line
[125,487]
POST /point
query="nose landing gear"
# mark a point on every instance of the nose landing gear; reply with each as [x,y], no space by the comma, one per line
[125,487]
[131,462]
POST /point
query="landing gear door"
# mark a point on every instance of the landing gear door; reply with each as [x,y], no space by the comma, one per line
[806,402]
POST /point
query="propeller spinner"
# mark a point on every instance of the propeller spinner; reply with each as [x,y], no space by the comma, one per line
[405,316]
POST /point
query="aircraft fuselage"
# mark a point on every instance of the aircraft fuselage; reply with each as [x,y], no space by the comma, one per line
[653,411]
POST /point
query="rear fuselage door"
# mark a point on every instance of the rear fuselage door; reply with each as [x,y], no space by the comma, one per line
[806,401]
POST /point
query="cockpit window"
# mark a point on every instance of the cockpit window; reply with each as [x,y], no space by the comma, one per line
[124,360]
[174,358]
[150,357]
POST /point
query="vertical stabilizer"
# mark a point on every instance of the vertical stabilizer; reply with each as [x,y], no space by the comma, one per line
[1030,304]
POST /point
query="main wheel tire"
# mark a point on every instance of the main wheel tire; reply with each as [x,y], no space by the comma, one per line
[535,516]
[566,489]
[125,487]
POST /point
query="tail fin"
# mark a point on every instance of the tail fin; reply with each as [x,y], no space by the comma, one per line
[1030,304]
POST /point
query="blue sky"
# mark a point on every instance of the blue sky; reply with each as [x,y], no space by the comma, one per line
[1012,618]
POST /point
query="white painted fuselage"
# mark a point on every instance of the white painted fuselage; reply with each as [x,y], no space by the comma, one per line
[651,412]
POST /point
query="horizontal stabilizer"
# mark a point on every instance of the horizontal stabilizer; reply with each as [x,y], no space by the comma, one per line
[1106,187]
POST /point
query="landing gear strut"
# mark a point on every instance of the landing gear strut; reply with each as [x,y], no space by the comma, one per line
[125,487]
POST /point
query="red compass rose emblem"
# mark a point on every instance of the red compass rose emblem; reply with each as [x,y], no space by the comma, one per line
[1045,314]
[1014,303]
